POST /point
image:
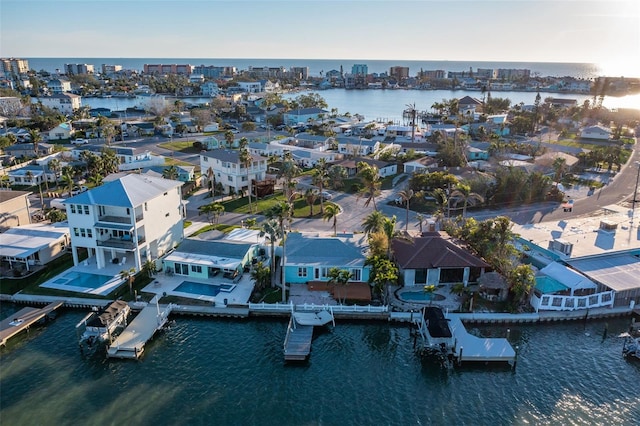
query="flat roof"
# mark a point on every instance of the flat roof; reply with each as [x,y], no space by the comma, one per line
[619,272]
[23,241]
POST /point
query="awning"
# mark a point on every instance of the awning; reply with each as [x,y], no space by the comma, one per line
[116,226]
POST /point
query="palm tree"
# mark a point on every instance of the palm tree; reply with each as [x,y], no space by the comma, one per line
[246,160]
[29,176]
[282,213]
[442,199]
[128,275]
[311,196]
[170,173]
[336,176]
[96,179]
[320,177]
[558,167]
[463,193]
[272,231]
[213,211]
[371,183]
[149,267]
[420,220]
[289,171]
[340,277]
[229,138]
[331,211]
[68,182]
[36,138]
[374,222]
[406,195]
[261,275]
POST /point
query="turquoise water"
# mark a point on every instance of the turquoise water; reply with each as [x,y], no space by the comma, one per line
[202,288]
[419,296]
[83,279]
[218,372]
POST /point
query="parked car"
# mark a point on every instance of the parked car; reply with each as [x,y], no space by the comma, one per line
[326,195]
[78,190]
[80,141]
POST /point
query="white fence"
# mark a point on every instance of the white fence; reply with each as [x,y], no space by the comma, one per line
[552,302]
[282,307]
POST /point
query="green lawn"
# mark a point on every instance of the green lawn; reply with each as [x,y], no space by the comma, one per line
[300,206]
[181,145]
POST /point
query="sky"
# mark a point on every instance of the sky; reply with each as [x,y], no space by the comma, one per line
[604,32]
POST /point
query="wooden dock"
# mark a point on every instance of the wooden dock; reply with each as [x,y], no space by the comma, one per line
[130,343]
[23,319]
[297,343]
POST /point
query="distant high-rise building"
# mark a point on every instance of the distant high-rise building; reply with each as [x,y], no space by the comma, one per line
[434,74]
[360,69]
[512,74]
[182,69]
[301,73]
[399,73]
[75,69]
[111,69]
[14,66]
[210,71]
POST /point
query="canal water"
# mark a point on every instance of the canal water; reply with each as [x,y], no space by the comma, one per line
[222,372]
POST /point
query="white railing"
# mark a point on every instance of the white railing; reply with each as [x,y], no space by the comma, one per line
[552,302]
[313,307]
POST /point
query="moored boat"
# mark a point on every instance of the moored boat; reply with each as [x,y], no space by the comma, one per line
[101,327]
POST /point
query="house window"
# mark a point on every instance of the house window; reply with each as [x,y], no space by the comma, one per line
[86,210]
[230,179]
[73,208]
[244,178]
[196,268]
[83,233]
[76,232]
[302,272]
[89,233]
[145,207]
[356,275]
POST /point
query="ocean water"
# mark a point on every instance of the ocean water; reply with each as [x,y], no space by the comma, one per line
[222,372]
[318,66]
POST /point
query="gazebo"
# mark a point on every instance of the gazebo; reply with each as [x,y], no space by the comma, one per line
[493,287]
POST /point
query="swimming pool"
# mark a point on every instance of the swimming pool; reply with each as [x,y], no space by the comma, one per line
[82,279]
[203,289]
[420,296]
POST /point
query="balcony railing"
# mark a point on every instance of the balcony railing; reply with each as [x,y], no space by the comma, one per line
[120,243]
[115,219]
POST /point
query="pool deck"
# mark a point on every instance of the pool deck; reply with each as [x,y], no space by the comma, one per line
[89,267]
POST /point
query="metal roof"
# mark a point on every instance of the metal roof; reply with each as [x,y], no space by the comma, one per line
[619,272]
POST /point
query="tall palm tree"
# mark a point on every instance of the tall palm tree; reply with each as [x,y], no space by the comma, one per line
[68,183]
[331,212]
[371,183]
[336,176]
[282,213]
[442,199]
[289,171]
[463,193]
[272,230]
[311,195]
[128,275]
[246,160]
[36,138]
[149,267]
[213,211]
[420,220]
[406,195]
[340,277]
[320,177]
[229,138]
[96,179]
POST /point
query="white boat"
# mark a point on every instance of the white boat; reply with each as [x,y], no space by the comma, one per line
[100,327]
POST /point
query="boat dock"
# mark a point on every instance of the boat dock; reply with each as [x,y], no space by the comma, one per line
[447,336]
[23,319]
[297,343]
[472,348]
[130,343]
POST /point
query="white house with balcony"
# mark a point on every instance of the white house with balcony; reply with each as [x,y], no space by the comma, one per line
[227,169]
[126,221]
[65,103]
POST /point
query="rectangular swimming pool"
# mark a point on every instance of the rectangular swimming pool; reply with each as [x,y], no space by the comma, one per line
[203,289]
[83,279]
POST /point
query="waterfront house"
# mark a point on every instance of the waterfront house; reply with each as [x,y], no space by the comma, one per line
[468,105]
[208,259]
[64,103]
[230,172]
[303,115]
[15,209]
[310,258]
[434,259]
[33,245]
[59,85]
[126,221]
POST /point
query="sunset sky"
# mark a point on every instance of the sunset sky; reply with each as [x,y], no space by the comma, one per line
[605,32]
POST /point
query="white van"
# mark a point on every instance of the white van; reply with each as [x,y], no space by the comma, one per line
[348,132]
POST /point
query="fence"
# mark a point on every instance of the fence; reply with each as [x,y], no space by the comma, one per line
[551,302]
[283,307]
